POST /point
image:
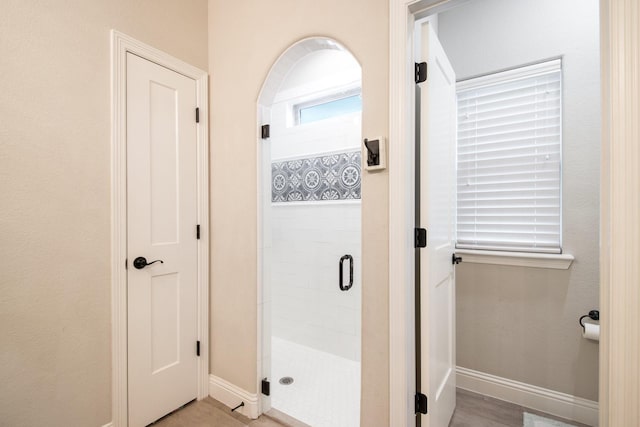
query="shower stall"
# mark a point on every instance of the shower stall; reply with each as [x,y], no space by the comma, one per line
[311,235]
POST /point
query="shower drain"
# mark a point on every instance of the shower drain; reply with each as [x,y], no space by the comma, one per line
[286,380]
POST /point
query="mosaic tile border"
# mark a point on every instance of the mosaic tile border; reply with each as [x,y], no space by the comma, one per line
[330,177]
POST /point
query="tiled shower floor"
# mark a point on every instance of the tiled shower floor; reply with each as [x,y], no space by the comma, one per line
[326,388]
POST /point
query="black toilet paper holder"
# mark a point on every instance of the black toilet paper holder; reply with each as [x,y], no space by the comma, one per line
[593,315]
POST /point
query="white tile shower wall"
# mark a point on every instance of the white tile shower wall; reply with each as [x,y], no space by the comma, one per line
[326,136]
[322,70]
[306,241]
[316,76]
[307,306]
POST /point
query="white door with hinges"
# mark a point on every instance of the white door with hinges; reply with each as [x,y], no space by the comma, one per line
[162,286]
[437,214]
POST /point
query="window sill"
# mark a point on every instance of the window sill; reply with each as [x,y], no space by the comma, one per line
[519,259]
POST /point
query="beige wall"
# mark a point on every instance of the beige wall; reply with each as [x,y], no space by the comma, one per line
[55,337]
[522,323]
[245,39]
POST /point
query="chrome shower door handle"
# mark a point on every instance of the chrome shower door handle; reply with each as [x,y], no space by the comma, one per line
[341,282]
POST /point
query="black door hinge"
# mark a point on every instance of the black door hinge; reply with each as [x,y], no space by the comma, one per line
[265,131]
[421,403]
[266,387]
[197,348]
[456,259]
[420,240]
[198,231]
[197,115]
[421,72]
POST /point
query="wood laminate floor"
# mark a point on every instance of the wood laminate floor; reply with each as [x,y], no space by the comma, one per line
[211,413]
[472,410]
[476,410]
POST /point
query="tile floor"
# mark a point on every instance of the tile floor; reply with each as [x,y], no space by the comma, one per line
[325,390]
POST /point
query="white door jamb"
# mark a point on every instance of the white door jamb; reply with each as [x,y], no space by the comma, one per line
[120,45]
[402,362]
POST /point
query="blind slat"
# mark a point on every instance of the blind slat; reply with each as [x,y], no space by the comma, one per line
[499,169]
[550,170]
[534,117]
[535,138]
[533,122]
[512,134]
[512,115]
[513,248]
[512,157]
[508,106]
[505,91]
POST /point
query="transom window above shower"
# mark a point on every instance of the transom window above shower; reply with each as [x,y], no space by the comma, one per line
[322,85]
[327,107]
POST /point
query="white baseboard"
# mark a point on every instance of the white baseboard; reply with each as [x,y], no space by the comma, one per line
[552,402]
[108,424]
[231,395]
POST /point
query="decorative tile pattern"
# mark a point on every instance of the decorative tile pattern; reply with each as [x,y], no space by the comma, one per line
[331,177]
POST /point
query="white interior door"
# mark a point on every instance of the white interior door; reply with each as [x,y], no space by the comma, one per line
[437,204]
[161,225]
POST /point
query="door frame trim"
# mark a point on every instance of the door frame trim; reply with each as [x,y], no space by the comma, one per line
[619,199]
[121,44]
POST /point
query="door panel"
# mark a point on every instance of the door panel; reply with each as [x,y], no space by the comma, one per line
[161,225]
[164,179]
[437,289]
[165,318]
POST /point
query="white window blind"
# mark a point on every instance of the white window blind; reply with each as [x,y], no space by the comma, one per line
[509,160]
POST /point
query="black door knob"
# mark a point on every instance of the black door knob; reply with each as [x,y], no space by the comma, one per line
[141,262]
